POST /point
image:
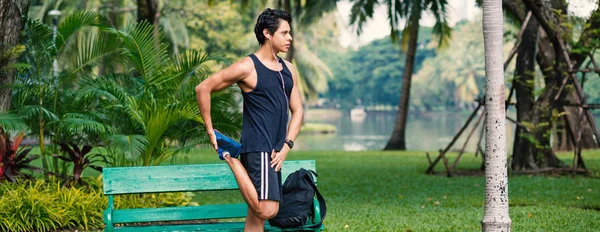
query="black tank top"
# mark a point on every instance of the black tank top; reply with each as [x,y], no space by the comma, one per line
[265,113]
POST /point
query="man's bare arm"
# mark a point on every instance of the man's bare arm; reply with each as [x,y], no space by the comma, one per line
[295,107]
[217,82]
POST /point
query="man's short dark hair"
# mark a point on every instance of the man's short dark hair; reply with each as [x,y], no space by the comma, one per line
[269,19]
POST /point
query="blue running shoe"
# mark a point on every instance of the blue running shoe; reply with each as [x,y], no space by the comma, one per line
[227,145]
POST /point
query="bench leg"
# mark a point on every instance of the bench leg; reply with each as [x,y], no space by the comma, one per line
[108,215]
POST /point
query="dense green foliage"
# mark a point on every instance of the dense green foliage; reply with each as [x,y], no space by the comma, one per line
[372,75]
[48,206]
[448,79]
[142,103]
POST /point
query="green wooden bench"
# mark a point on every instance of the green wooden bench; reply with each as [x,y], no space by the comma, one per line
[182,178]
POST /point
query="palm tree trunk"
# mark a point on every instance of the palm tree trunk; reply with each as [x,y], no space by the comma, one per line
[12,20]
[495,216]
[398,139]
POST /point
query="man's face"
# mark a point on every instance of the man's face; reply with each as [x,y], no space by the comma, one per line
[281,40]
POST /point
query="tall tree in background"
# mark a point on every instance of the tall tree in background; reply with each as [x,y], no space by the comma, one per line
[524,86]
[13,14]
[533,148]
[495,216]
[411,11]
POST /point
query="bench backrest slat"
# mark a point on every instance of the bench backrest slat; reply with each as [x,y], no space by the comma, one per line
[180,178]
[180,213]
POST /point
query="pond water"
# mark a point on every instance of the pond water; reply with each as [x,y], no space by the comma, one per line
[429,131]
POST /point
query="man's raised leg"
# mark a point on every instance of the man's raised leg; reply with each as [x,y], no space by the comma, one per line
[261,209]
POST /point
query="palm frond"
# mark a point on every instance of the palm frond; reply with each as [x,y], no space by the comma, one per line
[135,113]
[132,146]
[157,122]
[76,21]
[225,113]
[360,11]
[394,11]
[81,125]
[441,28]
[189,68]
[188,112]
[313,10]
[144,50]
[443,32]
[104,88]
[315,72]
[12,123]
[92,49]
[30,112]
[39,37]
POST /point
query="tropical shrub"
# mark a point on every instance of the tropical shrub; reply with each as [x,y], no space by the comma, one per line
[13,159]
[80,158]
[153,107]
[141,105]
[45,205]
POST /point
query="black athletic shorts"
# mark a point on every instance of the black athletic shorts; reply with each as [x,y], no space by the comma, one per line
[266,181]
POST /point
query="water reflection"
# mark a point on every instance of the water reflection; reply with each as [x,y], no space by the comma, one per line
[425,132]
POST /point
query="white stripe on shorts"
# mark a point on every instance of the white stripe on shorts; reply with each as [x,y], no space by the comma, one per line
[262,175]
[266,175]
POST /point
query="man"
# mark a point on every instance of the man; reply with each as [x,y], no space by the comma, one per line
[269,87]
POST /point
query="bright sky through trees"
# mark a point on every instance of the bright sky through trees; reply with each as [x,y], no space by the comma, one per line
[378,26]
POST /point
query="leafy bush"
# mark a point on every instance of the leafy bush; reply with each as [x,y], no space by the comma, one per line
[80,158]
[48,206]
[13,159]
[30,206]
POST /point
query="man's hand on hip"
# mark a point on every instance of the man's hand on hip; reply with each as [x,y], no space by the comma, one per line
[277,158]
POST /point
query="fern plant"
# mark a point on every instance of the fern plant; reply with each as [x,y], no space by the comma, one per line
[153,107]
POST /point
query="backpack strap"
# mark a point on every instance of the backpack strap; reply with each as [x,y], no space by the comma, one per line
[322,204]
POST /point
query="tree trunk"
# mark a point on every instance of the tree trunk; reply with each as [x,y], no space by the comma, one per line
[147,10]
[288,7]
[398,139]
[12,20]
[524,87]
[495,217]
[536,151]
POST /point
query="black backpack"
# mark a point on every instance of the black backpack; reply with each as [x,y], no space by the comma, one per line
[297,201]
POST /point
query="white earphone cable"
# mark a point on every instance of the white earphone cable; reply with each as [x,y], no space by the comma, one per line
[279,71]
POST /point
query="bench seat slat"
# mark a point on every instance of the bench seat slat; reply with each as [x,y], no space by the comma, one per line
[180,178]
[226,226]
[180,213]
[221,226]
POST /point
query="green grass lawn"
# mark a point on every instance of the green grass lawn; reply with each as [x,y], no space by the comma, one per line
[388,191]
